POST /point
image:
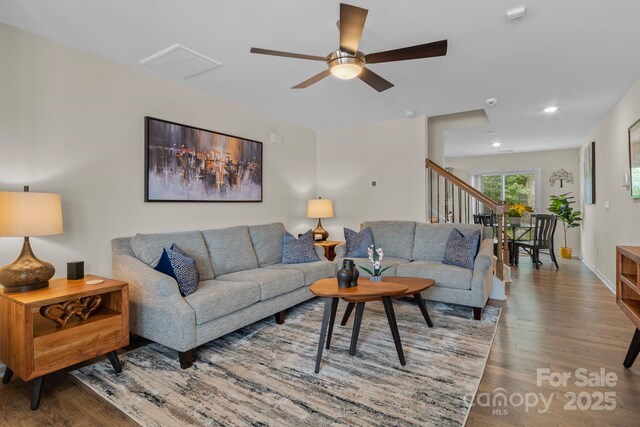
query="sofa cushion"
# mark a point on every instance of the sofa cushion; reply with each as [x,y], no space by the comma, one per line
[461,250]
[431,239]
[176,263]
[217,298]
[446,276]
[394,237]
[148,249]
[313,271]
[267,242]
[230,250]
[272,282]
[391,262]
[296,251]
[358,242]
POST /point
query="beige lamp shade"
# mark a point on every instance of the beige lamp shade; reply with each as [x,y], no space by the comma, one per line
[320,208]
[24,214]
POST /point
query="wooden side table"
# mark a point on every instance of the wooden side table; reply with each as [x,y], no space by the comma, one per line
[628,294]
[329,248]
[32,345]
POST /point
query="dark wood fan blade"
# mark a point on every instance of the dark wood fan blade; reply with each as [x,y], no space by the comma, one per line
[374,80]
[287,54]
[427,50]
[312,80]
[351,24]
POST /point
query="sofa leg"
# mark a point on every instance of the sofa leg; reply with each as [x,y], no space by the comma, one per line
[477,313]
[280,317]
[186,358]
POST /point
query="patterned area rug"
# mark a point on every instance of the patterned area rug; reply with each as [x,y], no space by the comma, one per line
[263,374]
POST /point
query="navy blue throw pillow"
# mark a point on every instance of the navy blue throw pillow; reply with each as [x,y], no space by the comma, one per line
[358,243]
[296,251]
[462,250]
[176,263]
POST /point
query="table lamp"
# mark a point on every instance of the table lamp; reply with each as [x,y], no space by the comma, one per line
[23,215]
[320,208]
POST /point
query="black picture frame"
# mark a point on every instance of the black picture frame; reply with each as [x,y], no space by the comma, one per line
[589,174]
[185,163]
[634,160]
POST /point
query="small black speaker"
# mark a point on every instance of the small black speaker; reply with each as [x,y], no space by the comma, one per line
[75,270]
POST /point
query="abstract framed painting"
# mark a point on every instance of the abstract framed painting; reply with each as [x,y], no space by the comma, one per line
[188,164]
[634,159]
[589,173]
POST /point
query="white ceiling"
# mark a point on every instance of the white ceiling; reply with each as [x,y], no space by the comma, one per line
[578,54]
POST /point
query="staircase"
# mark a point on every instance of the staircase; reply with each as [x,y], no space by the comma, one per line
[452,200]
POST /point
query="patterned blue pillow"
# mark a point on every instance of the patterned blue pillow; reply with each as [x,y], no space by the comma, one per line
[176,263]
[296,251]
[461,250]
[358,243]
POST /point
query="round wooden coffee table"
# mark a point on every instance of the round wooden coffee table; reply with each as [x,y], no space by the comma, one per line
[415,286]
[371,291]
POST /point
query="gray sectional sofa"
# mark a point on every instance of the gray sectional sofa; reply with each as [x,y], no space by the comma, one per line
[241,282]
[414,249]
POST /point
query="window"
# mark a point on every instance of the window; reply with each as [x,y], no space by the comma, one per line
[522,186]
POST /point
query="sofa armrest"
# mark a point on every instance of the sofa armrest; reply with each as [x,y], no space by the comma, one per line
[157,310]
[341,250]
[139,274]
[320,252]
[482,278]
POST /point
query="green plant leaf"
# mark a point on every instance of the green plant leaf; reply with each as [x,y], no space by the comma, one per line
[366,269]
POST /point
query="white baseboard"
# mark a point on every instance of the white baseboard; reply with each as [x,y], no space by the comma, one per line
[497,290]
[598,273]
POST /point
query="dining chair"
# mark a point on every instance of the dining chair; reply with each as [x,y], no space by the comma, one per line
[543,232]
[487,220]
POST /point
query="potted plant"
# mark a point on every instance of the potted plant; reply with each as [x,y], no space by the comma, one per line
[375,256]
[515,212]
[561,206]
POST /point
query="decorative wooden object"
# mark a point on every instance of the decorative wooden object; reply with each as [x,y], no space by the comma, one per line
[88,321]
[61,313]
[329,247]
[628,293]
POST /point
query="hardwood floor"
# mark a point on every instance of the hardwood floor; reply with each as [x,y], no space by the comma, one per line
[561,320]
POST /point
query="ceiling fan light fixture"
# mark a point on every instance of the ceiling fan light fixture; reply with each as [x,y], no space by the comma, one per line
[345,66]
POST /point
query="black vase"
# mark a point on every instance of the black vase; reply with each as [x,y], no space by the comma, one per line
[345,275]
[348,265]
[356,274]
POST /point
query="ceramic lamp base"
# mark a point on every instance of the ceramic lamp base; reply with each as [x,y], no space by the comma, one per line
[26,273]
[320,231]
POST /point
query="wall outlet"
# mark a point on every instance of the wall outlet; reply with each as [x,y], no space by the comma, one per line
[375,183]
[607,205]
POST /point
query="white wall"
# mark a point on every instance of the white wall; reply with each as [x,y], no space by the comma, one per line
[548,162]
[603,228]
[72,123]
[349,158]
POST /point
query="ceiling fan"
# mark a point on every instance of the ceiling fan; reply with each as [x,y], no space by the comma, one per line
[348,62]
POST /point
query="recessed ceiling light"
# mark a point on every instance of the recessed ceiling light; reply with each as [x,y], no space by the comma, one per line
[496,144]
[551,109]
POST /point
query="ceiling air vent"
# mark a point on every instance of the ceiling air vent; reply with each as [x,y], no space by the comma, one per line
[181,62]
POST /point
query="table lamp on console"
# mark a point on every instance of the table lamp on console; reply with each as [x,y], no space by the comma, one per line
[320,208]
[25,214]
